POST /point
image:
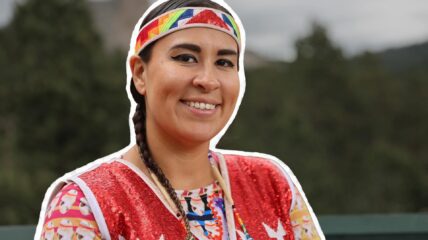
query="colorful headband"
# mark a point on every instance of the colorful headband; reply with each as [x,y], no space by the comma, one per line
[182,18]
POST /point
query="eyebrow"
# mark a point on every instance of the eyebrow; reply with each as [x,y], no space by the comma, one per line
[196,48]
[188,46]
[223,52]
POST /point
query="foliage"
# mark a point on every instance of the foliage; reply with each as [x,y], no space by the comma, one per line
[353,133]
[353,129]
[59,109]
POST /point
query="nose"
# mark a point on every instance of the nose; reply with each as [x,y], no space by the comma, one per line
[207,80]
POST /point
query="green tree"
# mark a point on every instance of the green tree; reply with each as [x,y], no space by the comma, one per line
[352,132]
[319,114]
[65,106]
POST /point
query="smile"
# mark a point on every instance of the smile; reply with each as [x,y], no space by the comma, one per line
[200,105]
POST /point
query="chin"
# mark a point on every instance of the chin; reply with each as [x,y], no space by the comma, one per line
[199,136]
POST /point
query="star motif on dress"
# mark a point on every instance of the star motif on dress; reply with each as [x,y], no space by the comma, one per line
[278,234]
[162,237]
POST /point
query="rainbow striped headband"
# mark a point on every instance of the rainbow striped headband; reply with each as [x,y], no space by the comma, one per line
[187,17]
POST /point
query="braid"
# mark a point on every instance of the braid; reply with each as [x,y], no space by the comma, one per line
[139,120]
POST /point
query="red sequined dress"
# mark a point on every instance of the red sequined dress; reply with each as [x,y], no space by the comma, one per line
[125,204]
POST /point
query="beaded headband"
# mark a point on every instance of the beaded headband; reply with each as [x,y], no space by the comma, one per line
[182,18]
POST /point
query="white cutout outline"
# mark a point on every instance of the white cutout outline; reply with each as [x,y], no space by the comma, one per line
[55,186]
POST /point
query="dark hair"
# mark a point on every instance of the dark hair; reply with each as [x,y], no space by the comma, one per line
[139,118]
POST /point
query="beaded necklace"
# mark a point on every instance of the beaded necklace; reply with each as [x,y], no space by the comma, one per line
[222,183]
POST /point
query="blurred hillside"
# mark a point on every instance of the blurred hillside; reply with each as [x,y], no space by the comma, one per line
[405,59]
[353,130]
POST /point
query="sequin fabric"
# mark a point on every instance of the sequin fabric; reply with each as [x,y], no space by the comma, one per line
[204,208]
[262,196]
[129,206]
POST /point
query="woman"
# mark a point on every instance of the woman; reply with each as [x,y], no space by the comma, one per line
[185,75]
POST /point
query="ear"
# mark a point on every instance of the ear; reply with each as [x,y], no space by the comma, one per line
[138,68]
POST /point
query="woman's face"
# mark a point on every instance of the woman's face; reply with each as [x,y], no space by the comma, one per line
[190,84]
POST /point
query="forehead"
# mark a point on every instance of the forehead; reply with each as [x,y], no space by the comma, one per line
[205,38]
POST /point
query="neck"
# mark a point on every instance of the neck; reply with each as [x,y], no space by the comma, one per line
[185,165]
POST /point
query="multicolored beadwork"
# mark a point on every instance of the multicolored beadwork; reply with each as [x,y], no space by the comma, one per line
[235,211]
[188,17]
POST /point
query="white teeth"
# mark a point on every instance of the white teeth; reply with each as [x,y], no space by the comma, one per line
[200,105]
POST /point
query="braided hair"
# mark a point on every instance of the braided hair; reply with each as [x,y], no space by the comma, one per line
[139,118]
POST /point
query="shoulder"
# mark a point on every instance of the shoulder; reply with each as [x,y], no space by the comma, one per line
[66,190]
[260,165]
[257,162]
[262,174]
[70,200]
[68,215]
[102,172]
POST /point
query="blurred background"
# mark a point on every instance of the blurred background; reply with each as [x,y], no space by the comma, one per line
[336,89]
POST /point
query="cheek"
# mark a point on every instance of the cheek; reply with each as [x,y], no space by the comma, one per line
[232,88]
[170,79]
[161,84]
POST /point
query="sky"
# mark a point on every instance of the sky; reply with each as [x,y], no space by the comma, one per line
[272,26]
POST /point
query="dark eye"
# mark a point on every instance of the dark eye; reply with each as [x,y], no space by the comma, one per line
[185,58]
[225,63]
